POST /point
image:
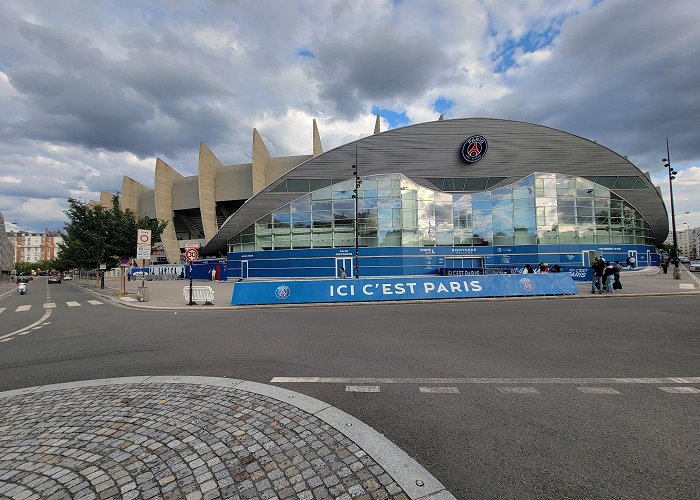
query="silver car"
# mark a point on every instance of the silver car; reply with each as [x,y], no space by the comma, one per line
[694,265]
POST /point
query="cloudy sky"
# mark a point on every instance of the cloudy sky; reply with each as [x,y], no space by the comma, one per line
[94,90]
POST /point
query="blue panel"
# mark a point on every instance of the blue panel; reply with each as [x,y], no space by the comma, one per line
[362,290]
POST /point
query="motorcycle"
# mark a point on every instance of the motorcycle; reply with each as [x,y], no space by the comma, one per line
[22,288]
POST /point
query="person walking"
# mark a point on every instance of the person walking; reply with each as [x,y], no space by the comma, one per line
[633,261]
[529,269]
[343,274]
[213,274]
[617,284]
[598,270]
[608,276]
[627,262]
[664,265]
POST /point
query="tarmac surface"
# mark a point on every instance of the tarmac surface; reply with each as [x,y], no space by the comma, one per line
[195,437]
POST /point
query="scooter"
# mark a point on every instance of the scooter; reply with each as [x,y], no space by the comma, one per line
[22,288]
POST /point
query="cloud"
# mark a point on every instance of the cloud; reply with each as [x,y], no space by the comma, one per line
[91,91]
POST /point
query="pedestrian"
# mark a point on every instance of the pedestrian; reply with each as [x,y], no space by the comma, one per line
[529,269]
[342,272]
[543,267]
[598,267]
[608,276]
[617,284]
[664,265]
[627,262]
[213,274]
[556,268]
[633,261]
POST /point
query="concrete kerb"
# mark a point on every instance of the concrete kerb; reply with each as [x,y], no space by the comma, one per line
[413,478]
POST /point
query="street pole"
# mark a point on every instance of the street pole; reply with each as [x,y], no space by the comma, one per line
[676,264]
[358,182]
[190,302]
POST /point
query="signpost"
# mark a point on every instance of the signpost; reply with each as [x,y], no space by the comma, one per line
[191,254]
[143,251]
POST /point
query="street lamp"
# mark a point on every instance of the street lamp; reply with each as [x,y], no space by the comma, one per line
[672,175]
[358,183]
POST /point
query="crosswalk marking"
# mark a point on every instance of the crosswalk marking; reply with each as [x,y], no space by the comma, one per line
[23,308]
[95,302]
[681,390]
[439,390]
[518,390]
[1,309]
[686,286]
[73,304]
[598,390]
[49,305]
[362,388]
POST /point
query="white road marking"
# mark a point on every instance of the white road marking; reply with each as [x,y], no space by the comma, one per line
[47,323]
[518,390]
[46,316]
[439,390]
[503,381]
[127,299]
[1,309]
[95,302]
[5,340]
[686,286]
[49,305]
[73,304]
[598,390]
[362,388]
[681,390]
[23,308]
[25,333]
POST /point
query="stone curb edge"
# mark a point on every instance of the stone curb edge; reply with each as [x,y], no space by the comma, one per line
[407,473]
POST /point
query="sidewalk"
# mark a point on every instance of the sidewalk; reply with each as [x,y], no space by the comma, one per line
[168,294]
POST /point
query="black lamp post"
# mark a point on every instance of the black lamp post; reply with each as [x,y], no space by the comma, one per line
[358,183]
[672,175]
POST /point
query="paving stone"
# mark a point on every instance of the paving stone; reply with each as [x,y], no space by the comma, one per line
[177,441]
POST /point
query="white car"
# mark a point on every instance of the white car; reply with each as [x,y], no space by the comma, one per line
[684,259]
[67,277]
[694,265]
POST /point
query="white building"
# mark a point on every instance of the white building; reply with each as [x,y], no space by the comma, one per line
[35,247]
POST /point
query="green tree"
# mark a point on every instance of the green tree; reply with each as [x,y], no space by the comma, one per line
[94,234]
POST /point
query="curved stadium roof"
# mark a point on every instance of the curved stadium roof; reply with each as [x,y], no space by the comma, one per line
[432,150]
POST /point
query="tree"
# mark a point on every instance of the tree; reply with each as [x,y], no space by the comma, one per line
[94,234]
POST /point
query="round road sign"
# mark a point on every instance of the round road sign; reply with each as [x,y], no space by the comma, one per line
[191,254]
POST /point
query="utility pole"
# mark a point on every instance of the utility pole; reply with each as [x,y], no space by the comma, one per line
[355,195]
[672,175]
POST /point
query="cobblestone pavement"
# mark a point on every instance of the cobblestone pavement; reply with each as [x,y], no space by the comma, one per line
[159,440]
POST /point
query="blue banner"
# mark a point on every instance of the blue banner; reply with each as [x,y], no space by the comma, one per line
[409,288]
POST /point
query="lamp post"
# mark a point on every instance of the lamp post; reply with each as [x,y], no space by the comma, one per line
[672,175]
[358,183]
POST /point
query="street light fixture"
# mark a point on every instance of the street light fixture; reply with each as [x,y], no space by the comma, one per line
[672,175]
[355,196]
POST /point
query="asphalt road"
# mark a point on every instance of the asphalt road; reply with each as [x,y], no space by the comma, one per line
[543,440]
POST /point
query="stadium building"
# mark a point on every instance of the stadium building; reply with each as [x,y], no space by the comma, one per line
[464,194]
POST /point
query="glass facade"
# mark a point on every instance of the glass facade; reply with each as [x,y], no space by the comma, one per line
[394,211]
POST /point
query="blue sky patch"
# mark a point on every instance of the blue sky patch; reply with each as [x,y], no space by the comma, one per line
[306,53]
[443,104]
[394,118]
[531,41]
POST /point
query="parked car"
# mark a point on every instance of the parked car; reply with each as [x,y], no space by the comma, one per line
[695,265]
[684,259]
[55,278]
[67,276]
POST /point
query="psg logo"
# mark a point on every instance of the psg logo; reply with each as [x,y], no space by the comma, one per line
[474,148]
[282,292]
[527,284]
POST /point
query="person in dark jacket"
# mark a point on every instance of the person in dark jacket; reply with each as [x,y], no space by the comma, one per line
[529,268]
[608,276]
[617,284]
[598,270]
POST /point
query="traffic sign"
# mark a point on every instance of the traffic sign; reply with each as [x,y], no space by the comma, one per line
[144,237]
[143,252]
[192,244]
[191,254]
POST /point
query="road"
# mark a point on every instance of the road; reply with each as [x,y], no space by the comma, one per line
[530,427]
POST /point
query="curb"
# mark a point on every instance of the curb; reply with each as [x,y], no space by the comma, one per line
[412,477]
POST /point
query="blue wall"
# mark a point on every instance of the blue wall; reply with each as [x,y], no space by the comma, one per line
[412,261]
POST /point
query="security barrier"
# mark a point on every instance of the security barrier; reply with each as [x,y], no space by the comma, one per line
[405,288]
[199,293]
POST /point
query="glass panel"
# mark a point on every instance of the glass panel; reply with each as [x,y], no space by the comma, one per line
[492,181]
[475,184]
[280,188]
[321,194]
[316,184]
[297,185]
[625,182]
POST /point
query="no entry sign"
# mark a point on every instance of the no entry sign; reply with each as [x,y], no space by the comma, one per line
[191,254]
